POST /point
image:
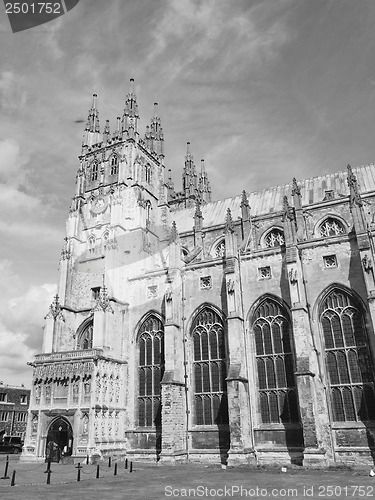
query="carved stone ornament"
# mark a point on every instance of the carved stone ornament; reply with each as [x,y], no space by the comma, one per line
[367,263]
[103,303]
[99,205]
[293,276]
[230,286]
[55,310]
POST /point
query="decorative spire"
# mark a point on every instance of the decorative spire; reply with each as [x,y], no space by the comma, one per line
[174,233]
[55,310]
[189,176]
[102,302]
[354,195]
[229,225]
[92,129]
[198,216]
[154,136]
[296,193]
[130,116]
[204,190]
[106,132]
[288,211]
[245,207]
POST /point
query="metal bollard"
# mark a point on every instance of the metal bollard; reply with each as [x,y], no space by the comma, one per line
[48,466]
[49,472]
[109,462]
[115,471]
[88,460]
[97,472]
[126,463]
[6,469]
[13,481]
[79,467]
[131,467]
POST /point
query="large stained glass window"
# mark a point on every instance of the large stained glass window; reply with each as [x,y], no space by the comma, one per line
[275,363]
[150,371]
[348,358]
[211,406]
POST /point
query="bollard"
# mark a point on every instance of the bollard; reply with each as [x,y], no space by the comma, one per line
[48,466]
[87,460]
[49,472]
[131,467]
[109,462]
[13,481]
[97,472]
[126,463]
[6,469]
[115,471]
[79,471]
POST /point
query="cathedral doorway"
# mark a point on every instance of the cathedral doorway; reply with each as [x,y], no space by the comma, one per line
[59,440]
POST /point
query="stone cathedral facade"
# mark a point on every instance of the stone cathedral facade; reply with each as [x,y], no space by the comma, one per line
[233,331]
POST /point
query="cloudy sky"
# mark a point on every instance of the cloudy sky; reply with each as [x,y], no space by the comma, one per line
[264,91]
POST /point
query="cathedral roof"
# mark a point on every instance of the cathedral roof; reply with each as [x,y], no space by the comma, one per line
[271,200]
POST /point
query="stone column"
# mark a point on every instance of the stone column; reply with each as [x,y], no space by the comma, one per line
[241,444]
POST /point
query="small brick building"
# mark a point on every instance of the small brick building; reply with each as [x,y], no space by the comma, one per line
[14,405]
[238,330]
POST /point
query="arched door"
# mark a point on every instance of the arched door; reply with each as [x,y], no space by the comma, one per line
[59,440]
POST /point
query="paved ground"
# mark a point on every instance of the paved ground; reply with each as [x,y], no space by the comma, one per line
[190,481]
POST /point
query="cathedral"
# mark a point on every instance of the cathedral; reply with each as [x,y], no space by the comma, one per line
[238,331]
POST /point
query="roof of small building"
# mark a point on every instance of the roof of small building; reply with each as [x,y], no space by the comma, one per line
[271,199]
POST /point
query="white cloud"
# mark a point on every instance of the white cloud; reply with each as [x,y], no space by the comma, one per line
[12,94]
[22,310]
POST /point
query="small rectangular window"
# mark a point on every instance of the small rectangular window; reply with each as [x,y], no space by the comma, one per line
[4,416]
[22,417]
[3,397]
[205,282]
[330,261]
[264,273]
[95,292]
[23,399]
[328,195]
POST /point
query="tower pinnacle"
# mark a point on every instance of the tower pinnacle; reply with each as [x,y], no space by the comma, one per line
[130,116]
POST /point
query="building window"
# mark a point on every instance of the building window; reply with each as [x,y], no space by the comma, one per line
[219,251]
[94,172]
[114,165]
[95,292]
[148,173]
[23,399]
[150,371]
[91,242]
[275,363]
[85,337]
[205,282]
[328,195]
[22,417]
[4,416]
[330,261]
[210,392]
[274,238]
[3,397]
[264,273]
[331,227]
[348,358]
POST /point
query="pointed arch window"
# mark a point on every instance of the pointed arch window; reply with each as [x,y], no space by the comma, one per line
[274,238]
[85,336]
[94,171]
[219,250]
[114,165]
[210,392]
[148,173]
[150,371]
[275,363]
[348,358]
[331,227]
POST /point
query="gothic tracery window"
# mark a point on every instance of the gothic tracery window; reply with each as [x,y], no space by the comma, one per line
[85,336]
[211,405]
[348,358]
[275,363]
[274,238]
[219,250]
[94,171]
[331,227]
[150,371]
[114,165]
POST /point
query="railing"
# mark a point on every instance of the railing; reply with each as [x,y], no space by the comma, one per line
[54,356]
